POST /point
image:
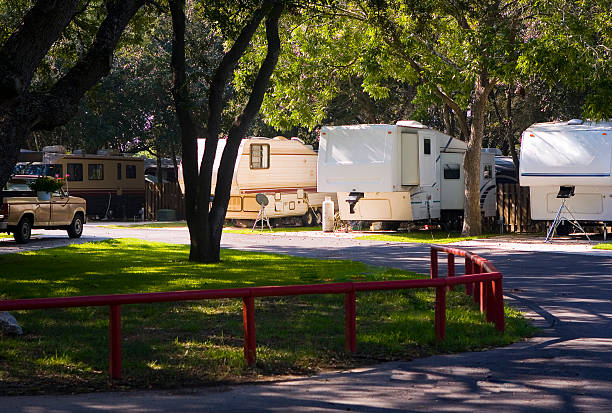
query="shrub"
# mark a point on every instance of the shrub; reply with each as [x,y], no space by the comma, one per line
[46,184]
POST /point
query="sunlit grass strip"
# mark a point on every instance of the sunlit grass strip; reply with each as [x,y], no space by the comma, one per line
[431,237]
[191,343]
[604,246]
[266,230]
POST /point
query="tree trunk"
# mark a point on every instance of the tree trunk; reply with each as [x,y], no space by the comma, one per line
[472,224]
[509,130]
[205,228]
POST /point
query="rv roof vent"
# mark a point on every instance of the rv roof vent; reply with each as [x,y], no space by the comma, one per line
[107,152]
[280,138]
[54,149]
[575,122]
[78,152]
[259,137]
[299,140]
[410,123]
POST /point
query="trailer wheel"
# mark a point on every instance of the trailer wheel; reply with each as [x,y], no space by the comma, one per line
[23,231]
[75,229]
[309,219]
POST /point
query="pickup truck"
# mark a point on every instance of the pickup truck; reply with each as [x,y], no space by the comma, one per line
[22,211]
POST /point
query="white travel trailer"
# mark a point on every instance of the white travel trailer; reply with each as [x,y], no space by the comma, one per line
[576,155]
[282,169]
[401,172]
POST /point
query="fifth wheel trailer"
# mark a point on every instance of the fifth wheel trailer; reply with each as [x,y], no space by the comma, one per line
[282,169]
[574,154]
[401,172]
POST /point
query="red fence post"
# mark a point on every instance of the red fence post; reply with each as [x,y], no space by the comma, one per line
[500,321]
[433,272]
[115,341]
[350,314]
[440,316]
[248,321]
[469,270]
[451,268]
[477,286]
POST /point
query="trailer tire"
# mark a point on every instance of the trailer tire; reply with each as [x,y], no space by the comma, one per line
[309,219]
[23,231]
[75,229]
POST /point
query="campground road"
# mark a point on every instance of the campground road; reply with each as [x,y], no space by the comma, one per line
[566,368]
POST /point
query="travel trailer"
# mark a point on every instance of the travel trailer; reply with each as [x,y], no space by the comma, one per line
[568,162]
[282,169]
[397,173]
[112,184]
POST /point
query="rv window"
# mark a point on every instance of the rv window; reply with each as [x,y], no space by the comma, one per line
[95,172]
[74,171]
[427,146]
[119,171]
[487,173]
[130,171]
[452,171]
[260,156]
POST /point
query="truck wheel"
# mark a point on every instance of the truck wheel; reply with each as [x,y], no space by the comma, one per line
[23,231]
[75,229]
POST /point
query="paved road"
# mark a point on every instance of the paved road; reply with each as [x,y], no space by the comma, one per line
[567,368]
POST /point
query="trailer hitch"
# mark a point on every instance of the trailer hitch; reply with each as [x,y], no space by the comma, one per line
[352,199]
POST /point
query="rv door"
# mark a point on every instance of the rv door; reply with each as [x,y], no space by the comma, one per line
[452,181]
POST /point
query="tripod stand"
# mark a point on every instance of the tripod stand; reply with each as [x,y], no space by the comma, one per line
[262,200]
[565,192]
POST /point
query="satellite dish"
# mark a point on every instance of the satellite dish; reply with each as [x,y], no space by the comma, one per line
[262,199]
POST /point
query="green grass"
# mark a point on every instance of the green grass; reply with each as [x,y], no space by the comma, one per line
[433,237]
[604,246]
[266,230]
[179,224]
[194,343]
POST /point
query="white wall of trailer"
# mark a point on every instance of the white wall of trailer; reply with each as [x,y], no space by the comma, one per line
[398,168]
[571,153]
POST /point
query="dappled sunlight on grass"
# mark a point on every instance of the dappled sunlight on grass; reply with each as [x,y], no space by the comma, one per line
[198,342]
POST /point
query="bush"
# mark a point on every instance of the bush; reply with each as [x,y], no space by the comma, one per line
[46,184]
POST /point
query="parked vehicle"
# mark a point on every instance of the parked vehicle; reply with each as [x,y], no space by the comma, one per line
[282,169]
[575,154]
[397,173]
[112,184]
[23,211]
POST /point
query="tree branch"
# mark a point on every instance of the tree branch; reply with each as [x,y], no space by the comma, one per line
[24,50]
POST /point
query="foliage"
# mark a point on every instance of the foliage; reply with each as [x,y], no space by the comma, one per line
[169,345]
[46,184]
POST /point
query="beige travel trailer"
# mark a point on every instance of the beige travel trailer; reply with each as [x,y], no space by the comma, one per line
[112,184]
[284,170]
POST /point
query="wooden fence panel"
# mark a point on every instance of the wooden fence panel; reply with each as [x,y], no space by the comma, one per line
[513,209]
[164,196]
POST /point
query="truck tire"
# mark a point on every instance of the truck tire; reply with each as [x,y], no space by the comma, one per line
[75,229]
[23,231]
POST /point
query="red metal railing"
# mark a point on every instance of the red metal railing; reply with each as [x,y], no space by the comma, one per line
[486,288]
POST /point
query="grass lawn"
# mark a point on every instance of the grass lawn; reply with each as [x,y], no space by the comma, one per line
[195,343]
[434,237]
[266,230]
[603,246]
[179,224]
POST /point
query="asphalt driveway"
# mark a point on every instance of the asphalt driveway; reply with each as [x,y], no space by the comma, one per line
[568,367]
